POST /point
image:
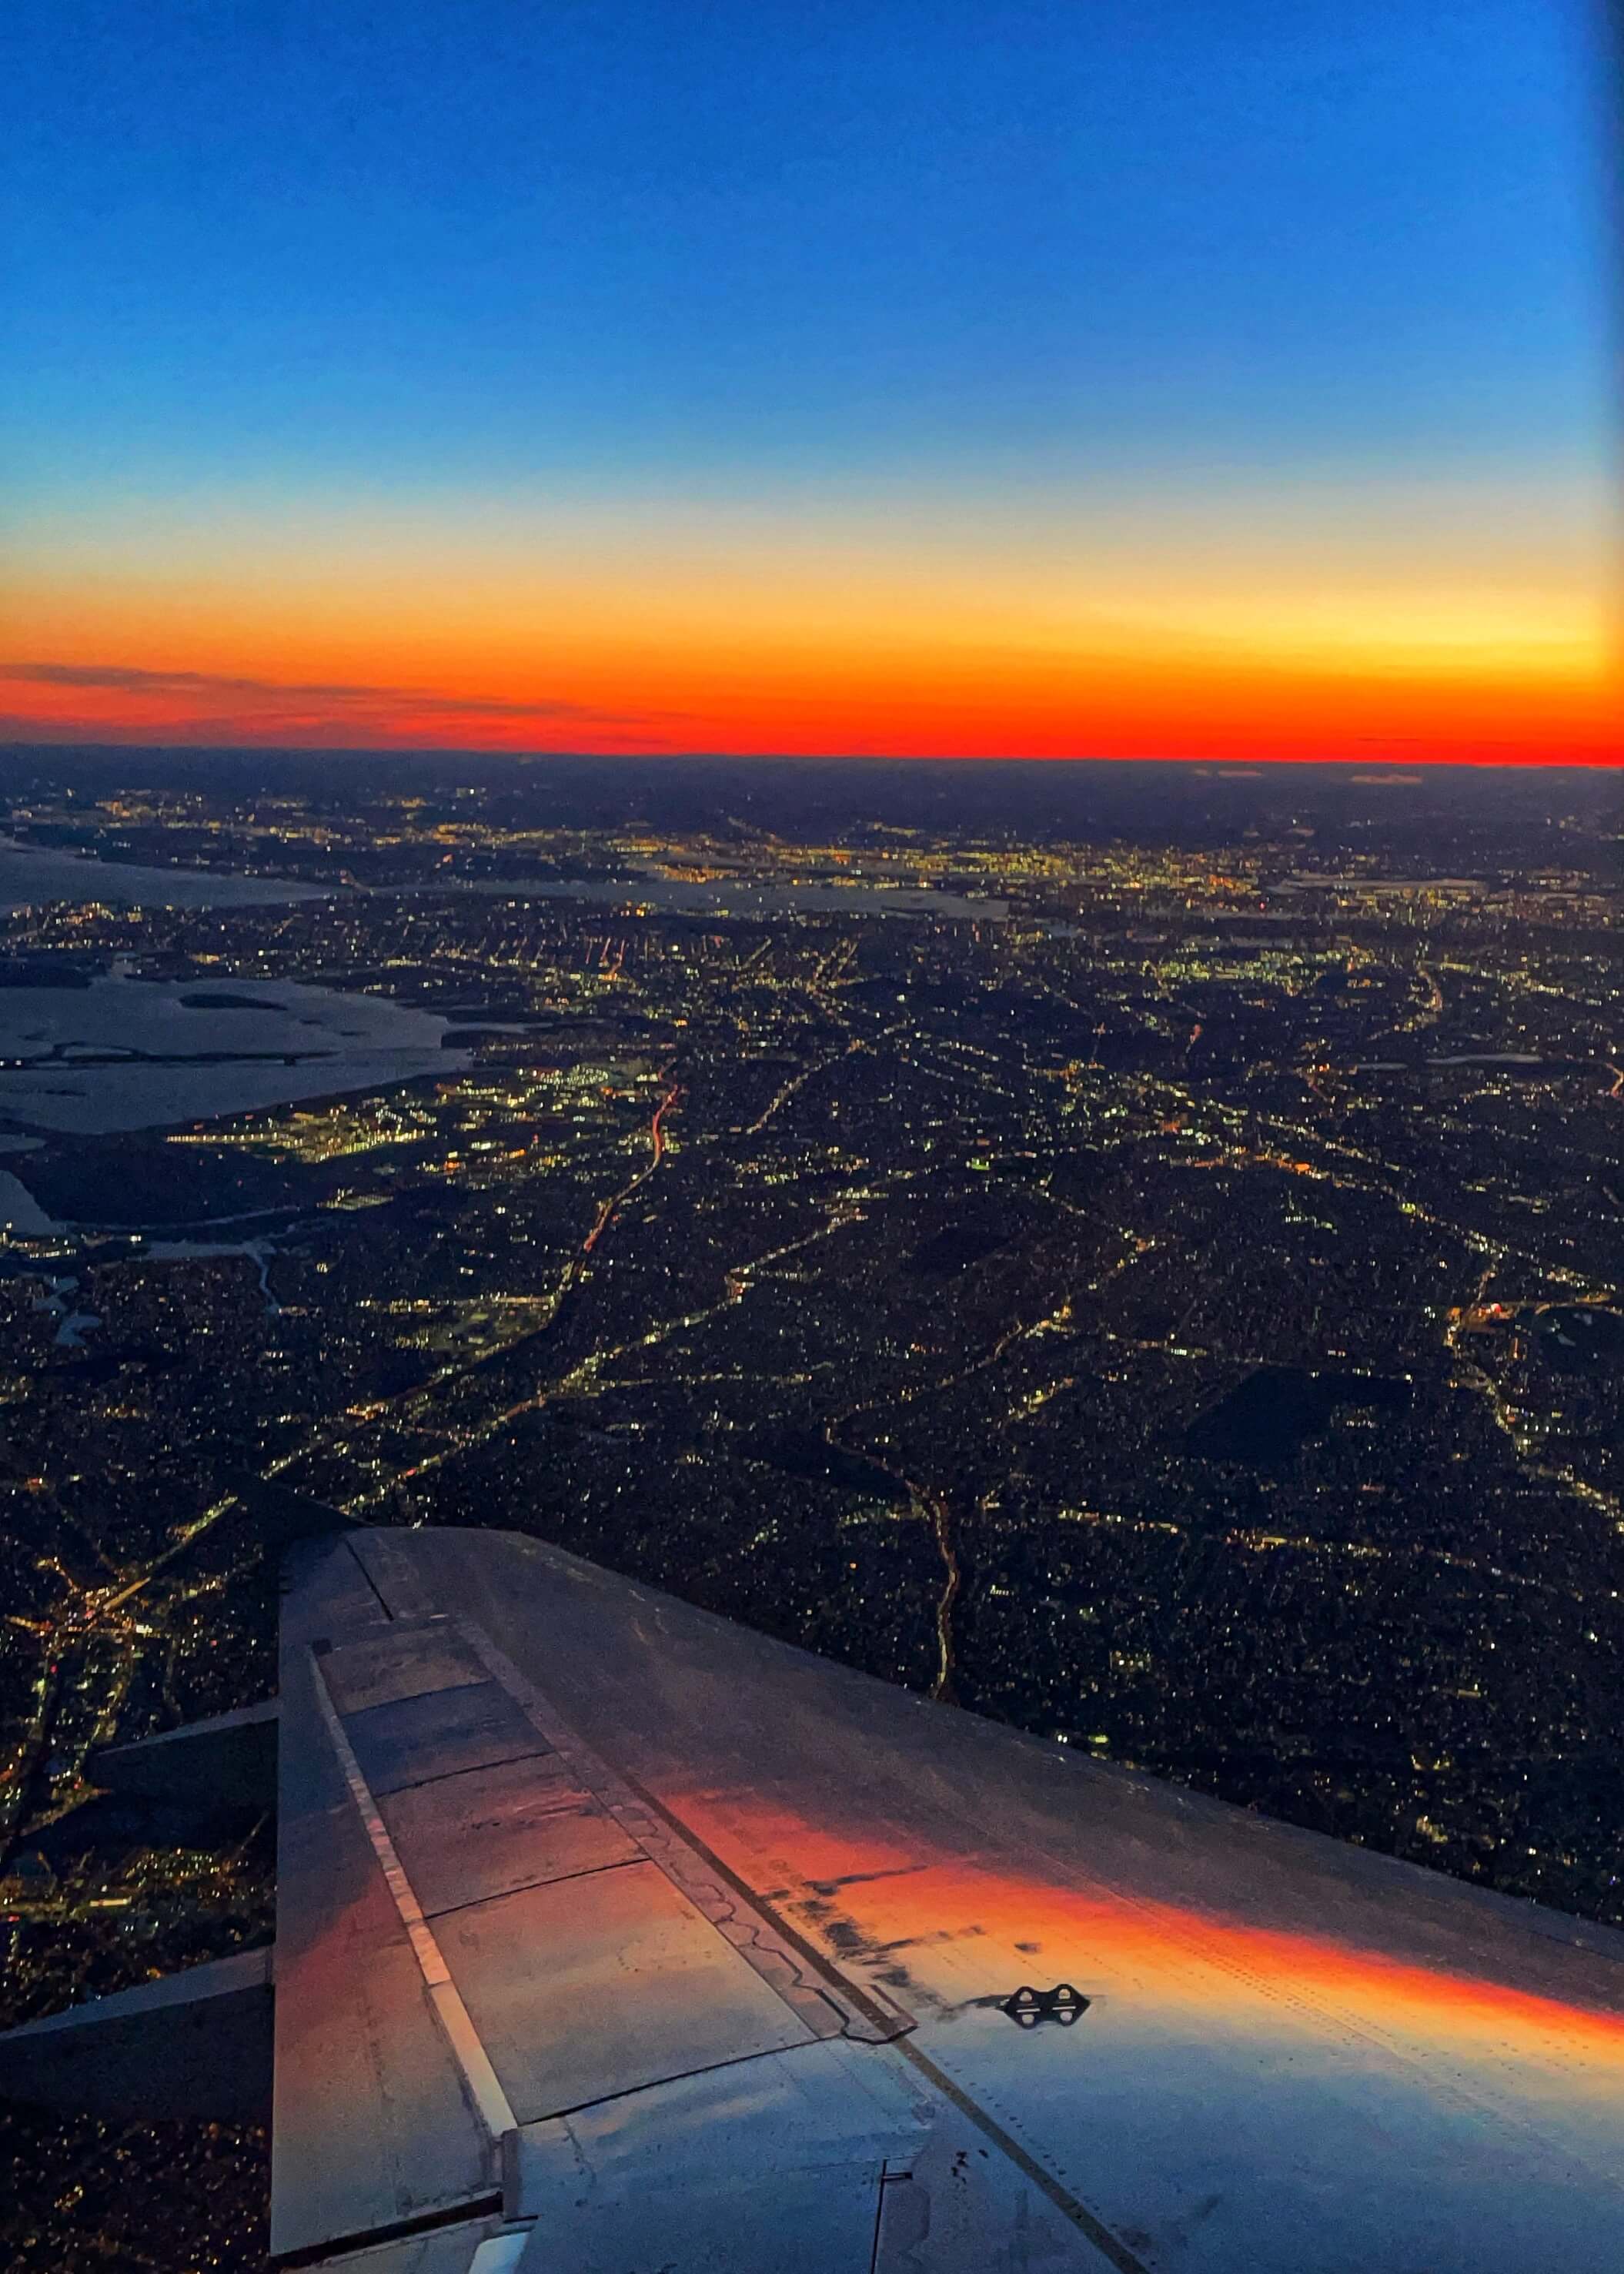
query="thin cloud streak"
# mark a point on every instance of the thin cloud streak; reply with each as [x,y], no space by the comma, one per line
[398,705]
[333,731]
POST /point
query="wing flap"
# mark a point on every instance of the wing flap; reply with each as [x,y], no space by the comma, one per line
[481,1930]
[594,1986]
[407,1659]
[490,1832]
[438,1733]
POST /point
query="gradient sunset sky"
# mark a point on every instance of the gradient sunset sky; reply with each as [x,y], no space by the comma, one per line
[1110,378]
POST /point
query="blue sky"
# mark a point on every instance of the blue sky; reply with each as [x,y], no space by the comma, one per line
[491,238]
[874,300]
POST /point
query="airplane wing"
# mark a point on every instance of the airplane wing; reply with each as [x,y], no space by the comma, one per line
[614,1939]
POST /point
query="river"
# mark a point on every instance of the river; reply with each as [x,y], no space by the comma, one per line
[126,1053]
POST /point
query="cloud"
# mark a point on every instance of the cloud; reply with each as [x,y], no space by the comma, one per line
[1390,781]
[288,702]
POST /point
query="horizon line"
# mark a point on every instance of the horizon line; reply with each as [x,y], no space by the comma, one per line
[1382,756]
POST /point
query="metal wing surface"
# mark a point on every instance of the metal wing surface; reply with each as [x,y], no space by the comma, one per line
[614,1939]
[620,1938]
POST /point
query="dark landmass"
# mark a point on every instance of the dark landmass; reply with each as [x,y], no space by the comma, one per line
[1185,1315]
[230,1003]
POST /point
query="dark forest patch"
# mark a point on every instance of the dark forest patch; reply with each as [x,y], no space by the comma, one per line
[1269,1418]
[132,1182]
[957,1247]
[804,1453]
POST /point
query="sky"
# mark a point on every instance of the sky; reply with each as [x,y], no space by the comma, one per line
[1108,377]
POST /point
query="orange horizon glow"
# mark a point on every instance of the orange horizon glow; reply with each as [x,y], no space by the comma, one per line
[829,703]
[1323,628]
[52,717]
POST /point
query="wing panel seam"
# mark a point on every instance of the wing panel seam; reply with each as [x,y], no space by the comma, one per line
[1064,2202]
[446,1776]
[371,1583]
[525,1887]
